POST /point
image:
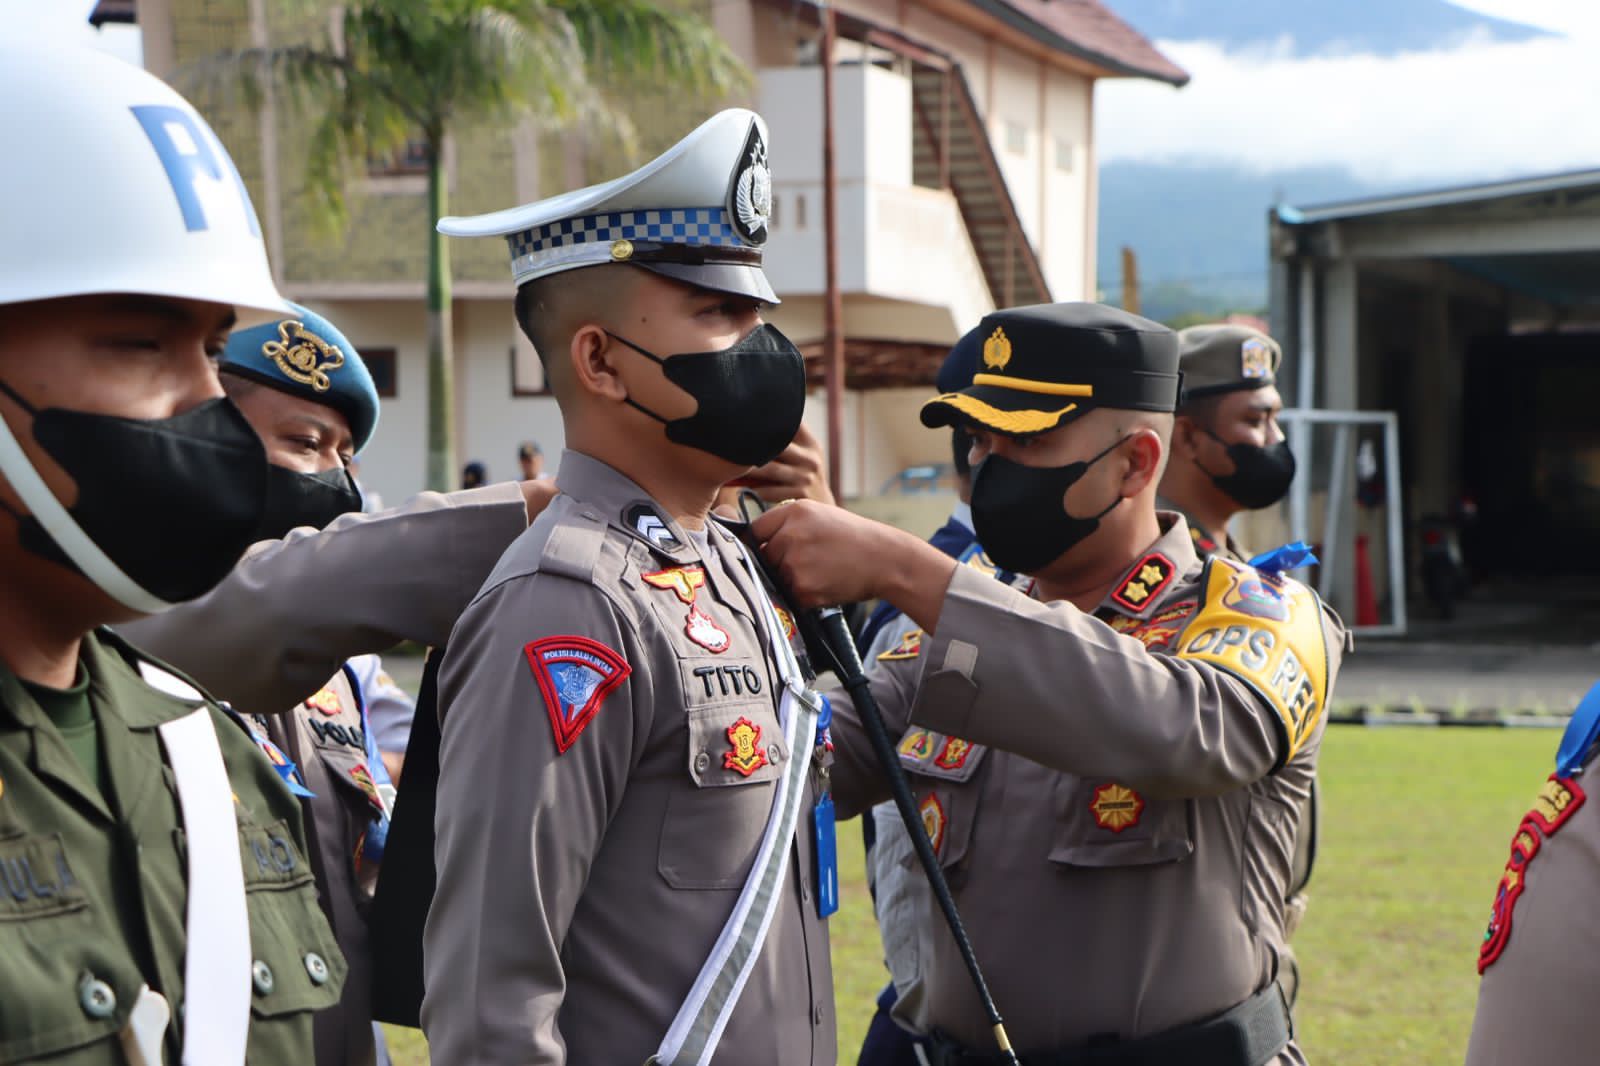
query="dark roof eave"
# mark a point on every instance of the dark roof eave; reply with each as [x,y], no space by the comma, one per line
[1176,77]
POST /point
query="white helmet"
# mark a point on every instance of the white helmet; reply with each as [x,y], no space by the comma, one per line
[112,182]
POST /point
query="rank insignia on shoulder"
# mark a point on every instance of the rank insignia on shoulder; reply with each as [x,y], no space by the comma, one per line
[933,821]
[745,755]
[1116,807]
[325,700]
[1267,633]
[910,647]
[646,523]
[575,675]
[1144,583]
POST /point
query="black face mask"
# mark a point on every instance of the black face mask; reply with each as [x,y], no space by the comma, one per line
[1020,515]
[1260,475]
[295,499]
[173,502]
[751,397]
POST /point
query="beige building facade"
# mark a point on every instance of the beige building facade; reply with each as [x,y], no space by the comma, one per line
[966,167]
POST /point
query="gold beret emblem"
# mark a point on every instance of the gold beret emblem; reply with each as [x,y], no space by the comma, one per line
[303,356]
[997,350]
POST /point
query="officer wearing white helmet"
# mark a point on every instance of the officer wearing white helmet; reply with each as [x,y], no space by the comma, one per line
[158,903]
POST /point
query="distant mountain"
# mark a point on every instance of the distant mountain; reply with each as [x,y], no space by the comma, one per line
[1379,27]
[1200,231]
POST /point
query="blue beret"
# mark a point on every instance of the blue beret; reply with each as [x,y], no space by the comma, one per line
[962,362]
[306,356]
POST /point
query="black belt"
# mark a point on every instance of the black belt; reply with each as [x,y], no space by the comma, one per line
[1250,1034]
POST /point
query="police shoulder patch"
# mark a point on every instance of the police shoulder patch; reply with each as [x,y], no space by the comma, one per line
[1144,583]
[575,675]
[910,647]
[1265,630]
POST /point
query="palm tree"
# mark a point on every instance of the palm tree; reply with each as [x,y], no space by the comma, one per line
[399,72]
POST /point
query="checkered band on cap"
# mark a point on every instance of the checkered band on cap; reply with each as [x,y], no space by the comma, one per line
[586,240]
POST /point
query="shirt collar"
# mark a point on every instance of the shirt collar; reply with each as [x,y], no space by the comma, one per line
[961,514]
[626,506]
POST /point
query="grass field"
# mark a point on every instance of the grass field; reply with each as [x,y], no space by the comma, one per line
[1415,830]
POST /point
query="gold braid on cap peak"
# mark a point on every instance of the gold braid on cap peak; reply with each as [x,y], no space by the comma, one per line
[991,417]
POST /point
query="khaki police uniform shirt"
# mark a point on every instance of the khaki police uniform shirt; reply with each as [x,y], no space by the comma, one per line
[580,891]
[1086,922]
[325,738]
[94,886]
[293,610]
[1541,952]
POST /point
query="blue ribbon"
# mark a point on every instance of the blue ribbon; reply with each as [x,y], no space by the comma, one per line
[824,720]
[1291,556]
[1582,731]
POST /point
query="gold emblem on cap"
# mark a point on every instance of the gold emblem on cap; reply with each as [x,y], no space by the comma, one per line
[621,250]
[303,356]
[1255,359]
[997,350]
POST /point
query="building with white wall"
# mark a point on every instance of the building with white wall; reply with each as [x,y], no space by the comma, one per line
[966,180]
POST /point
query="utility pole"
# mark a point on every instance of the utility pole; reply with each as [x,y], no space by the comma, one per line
[833,304]
[1130,281]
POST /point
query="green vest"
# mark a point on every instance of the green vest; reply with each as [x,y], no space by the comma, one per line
[93,886]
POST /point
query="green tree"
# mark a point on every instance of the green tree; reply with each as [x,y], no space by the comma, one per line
[392,72]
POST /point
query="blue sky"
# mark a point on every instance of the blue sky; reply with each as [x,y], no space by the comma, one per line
[1480,109]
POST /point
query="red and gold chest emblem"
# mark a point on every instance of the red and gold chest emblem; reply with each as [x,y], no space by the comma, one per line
[1116,807]
[910,647]
[326,701]
[744,755]
[933,821]
[363,778]
[787,621]
[954,754]
[685,582]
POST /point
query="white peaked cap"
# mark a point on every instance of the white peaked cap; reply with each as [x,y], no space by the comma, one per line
[114,183]
[698,213]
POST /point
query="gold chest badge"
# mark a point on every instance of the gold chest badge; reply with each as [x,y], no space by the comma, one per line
[1116,807]
[745,755]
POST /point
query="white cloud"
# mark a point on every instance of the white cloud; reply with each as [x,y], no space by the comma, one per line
[1480,110]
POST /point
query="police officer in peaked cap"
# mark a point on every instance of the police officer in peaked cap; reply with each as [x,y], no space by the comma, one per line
[1093,756]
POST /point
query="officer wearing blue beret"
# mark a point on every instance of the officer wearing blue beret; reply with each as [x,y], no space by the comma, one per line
[304,388]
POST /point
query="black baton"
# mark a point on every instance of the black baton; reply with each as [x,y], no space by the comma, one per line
[827,641]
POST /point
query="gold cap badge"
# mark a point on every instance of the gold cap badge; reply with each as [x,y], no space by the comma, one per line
[303,356]
[997,350]
[621,250]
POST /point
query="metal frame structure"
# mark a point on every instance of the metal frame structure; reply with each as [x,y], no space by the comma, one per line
[1300,421]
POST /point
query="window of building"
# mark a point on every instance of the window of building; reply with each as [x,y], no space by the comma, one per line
[1016,137]
[527,371]
[381,364]
[1066,156]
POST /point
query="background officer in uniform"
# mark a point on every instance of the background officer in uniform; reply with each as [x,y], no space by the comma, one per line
[1228,452]
[627,787]
[1229,455]
[158,906]
[1540,954]
[1120,883]
[305,390]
